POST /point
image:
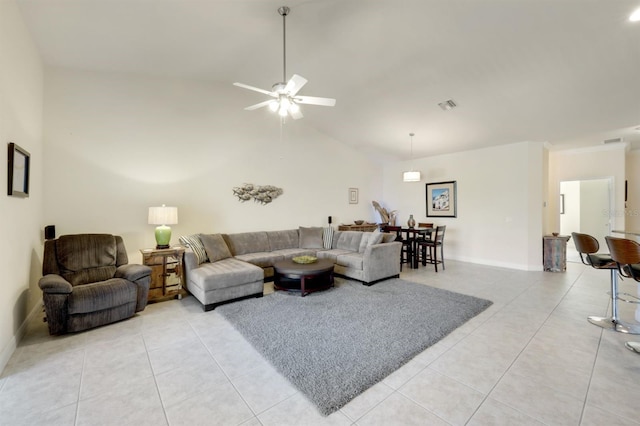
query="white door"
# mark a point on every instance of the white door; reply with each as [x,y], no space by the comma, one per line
[587,204]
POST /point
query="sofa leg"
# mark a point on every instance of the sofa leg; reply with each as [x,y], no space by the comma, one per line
[377,281]
[212,306]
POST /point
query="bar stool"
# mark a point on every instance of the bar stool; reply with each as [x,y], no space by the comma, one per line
[588,247]
[626,254]
[406,254]
[429,248]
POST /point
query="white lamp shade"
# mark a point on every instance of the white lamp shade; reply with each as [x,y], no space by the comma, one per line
[163,215]
[411,176]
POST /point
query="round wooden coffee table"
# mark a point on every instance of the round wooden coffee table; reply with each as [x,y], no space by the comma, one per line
[303,277]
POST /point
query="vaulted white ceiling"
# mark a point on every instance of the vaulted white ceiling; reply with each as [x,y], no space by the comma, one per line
[560,71]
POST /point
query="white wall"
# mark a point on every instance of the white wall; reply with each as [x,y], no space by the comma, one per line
[20,218]
[589,163]
[500,198]
[117,144]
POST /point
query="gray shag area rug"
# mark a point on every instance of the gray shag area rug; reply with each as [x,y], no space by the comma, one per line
[335,344]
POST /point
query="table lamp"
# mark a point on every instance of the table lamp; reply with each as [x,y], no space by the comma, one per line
[163,216]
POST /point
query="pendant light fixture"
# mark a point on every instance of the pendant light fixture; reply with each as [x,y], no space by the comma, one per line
[411,175]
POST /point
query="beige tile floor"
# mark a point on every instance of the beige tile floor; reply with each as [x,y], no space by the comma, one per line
[530,359]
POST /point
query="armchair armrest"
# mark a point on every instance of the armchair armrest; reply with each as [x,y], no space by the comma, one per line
[132,272]
[140,275]
[55,284]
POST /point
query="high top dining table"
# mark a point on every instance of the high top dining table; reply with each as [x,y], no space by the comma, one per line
[412,234]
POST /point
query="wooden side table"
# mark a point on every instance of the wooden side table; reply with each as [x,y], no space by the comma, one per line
[166,272]
[554,253]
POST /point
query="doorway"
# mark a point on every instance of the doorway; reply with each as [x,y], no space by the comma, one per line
[584,207]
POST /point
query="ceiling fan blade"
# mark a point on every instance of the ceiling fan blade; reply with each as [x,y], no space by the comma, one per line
[296,115]
[255,89]
[314,100]
[258,105]
[294,84]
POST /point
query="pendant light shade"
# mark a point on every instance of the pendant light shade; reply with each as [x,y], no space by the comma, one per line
[411,175]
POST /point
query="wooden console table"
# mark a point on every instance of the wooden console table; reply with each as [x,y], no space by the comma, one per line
[363,228]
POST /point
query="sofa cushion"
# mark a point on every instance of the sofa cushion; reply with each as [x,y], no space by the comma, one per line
[331,254]
[364,242]
[350,260]
[279,240]
[293,252]
[102,295]
[247,242]
[310,238]
[225,273]
[349,240]
[215,247]
[327,237]
[195,244]
[262,259]
[86,258]
[388,238]
[375,238]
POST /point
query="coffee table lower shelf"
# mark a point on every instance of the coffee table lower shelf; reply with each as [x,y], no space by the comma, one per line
[303,278]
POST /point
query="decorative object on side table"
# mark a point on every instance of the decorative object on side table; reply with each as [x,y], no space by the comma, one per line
[386,217]
[303,260]
[441,199]
[411,223]
[163,216]
[166,272]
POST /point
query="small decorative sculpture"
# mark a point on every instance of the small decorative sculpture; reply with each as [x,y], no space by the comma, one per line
[385,216]
[260,194]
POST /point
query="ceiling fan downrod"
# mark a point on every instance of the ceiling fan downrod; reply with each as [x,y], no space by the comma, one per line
[284,11]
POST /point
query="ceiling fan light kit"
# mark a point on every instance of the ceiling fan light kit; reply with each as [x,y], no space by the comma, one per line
[286,101]
[411,175]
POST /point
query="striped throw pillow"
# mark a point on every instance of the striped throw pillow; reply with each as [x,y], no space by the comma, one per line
[195,244]
[327,237]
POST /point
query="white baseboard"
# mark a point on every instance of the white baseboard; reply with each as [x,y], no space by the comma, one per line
[507,265]
[10,348]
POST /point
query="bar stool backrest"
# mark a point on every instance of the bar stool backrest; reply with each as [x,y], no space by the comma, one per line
[587,246]
[626,253]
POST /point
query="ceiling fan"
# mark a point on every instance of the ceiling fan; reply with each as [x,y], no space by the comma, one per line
[285,95]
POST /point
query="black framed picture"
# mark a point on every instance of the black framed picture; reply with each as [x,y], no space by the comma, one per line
[441,199]
[18,161]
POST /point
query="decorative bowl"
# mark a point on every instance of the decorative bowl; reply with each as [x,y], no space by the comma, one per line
[555,234]
[305,259]
[358,222]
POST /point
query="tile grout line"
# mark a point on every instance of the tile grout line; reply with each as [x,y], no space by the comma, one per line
[520,354]
[155,380]
[255,415]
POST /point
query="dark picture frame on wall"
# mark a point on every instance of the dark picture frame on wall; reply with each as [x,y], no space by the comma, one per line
[19,162]
[442,199]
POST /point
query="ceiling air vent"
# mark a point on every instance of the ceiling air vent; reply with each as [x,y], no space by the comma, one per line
[614,140]
[447,105]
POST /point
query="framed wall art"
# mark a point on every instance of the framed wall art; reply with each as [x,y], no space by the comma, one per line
[18,161]
[353,195]
[441,199]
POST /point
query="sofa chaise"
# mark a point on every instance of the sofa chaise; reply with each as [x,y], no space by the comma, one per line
[220,268]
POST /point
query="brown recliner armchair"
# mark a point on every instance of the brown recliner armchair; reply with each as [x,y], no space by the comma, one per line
[87,282]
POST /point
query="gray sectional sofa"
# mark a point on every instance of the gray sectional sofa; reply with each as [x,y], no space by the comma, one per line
[225,267]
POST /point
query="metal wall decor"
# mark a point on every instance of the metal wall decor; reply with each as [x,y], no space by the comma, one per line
[260,194]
